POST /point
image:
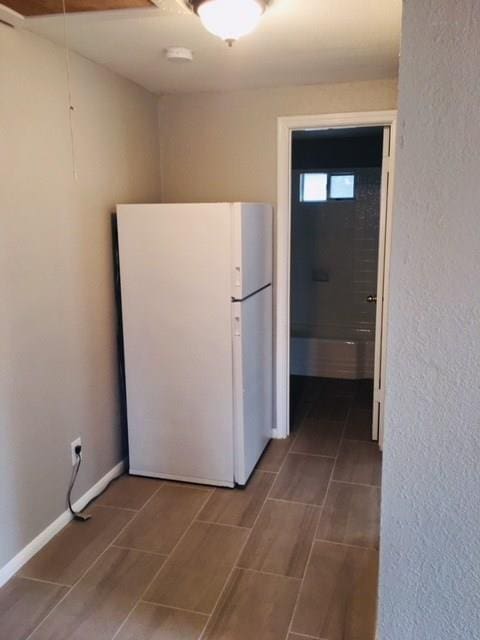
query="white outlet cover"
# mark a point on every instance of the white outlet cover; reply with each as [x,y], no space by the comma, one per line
[75,443]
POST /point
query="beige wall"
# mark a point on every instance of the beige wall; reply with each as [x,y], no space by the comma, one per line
[57,330]
[57,321]
[222,146]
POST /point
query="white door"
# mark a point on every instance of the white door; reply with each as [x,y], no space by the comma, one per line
[252,377]
[382,286]
[175,280]
[252,245]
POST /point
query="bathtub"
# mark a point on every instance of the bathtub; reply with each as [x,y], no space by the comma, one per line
[332,352]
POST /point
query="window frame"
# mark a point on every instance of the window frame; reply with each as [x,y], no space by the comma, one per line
[301,186]
[329,175]
[341,173]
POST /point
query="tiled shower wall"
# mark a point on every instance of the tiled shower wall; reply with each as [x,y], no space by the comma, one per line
[334,259]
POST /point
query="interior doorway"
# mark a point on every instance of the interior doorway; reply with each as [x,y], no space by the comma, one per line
[333,237]
[335,222]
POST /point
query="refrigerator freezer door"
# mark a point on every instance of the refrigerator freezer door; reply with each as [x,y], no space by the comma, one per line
[175,278]
[252,245]
[252,377]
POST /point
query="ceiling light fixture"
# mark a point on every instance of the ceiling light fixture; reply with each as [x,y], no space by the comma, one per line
[229,19]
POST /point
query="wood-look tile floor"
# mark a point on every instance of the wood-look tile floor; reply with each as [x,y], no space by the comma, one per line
[293,555]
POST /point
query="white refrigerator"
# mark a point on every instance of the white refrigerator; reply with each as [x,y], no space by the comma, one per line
[196,296]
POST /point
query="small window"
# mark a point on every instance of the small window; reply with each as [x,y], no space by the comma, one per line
[313,187]
[342,187]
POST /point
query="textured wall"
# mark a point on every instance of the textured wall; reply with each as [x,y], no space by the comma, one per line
[57,328]
[430,565]
[223,146]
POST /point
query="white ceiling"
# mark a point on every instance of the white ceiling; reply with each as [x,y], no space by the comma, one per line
[298,42]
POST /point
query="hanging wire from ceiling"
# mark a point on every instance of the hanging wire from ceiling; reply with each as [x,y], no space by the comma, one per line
[71,108]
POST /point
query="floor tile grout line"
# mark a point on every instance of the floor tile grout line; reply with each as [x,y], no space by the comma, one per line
[137,514]
[332,473]
[260,470]
[168,556]
[322,505]
[312,455]
[268,497]
[247,538]
[207,621]
[235,564]
[302,581]
[283,463]
[266,573]
[280,469]
[340,444]
[245,569]
[94,562]
[223,524]
[204,488]
[343,440]
[161,484]
[294,611]
[303,504]
[315,529]
[208,495]
[51,582]
[127,548]
[346,544]
[339,448]
[171,606]
[309,408]
[358,484]
[379,487]
[91,565]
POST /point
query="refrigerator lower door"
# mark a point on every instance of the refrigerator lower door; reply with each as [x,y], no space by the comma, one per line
[252,378]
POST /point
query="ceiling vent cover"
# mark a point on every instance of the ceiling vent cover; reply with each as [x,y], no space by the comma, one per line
[179,54]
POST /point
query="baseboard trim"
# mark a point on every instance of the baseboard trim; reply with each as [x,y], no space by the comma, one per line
[23,556]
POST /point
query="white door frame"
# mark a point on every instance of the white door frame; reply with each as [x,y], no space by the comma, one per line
[285,128]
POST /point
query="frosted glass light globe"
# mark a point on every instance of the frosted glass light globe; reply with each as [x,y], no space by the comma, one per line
[230,19]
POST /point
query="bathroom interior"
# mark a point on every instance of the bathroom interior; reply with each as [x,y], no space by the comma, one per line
[335,220]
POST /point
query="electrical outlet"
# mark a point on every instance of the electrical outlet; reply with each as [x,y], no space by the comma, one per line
[75,443]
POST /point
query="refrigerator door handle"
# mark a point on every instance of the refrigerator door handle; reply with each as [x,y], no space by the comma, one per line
[238,277]
[237,326]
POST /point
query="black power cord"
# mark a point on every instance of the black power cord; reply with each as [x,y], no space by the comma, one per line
[75,514]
